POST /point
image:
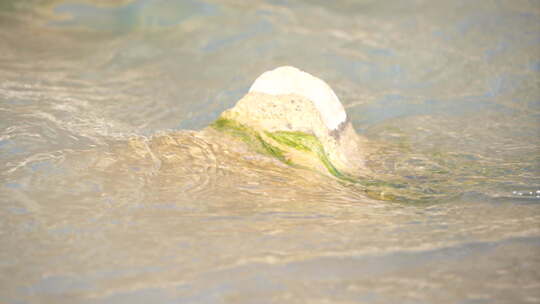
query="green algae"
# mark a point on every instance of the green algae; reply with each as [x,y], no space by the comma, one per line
[268,143]
[296,140]
[309,143]
[273,150]
[232,127]
[250,137]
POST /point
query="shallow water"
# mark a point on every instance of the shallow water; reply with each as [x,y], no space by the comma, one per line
[105,200]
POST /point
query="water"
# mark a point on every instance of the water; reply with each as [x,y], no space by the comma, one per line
[105,200]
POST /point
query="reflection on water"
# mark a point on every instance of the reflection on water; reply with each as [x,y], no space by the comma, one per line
[106,200]
[142,14]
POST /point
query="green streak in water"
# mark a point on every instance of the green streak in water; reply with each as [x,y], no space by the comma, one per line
[250,137]
[388,190]
[309,143]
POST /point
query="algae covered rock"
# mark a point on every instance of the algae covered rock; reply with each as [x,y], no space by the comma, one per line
[297,118]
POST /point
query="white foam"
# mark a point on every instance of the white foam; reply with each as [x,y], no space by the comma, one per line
[290,80]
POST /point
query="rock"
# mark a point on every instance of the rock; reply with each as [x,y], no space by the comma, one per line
[290,80]
[297,118]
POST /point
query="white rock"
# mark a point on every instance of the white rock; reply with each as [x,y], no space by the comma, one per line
[290,80]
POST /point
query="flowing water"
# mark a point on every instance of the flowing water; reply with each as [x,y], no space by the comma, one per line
[109,193]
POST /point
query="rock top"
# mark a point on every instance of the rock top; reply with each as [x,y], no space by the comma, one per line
[287,80]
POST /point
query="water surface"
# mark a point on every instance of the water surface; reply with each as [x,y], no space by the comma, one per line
[105,200]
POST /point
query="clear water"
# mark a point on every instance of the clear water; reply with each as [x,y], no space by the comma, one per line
[104,200]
